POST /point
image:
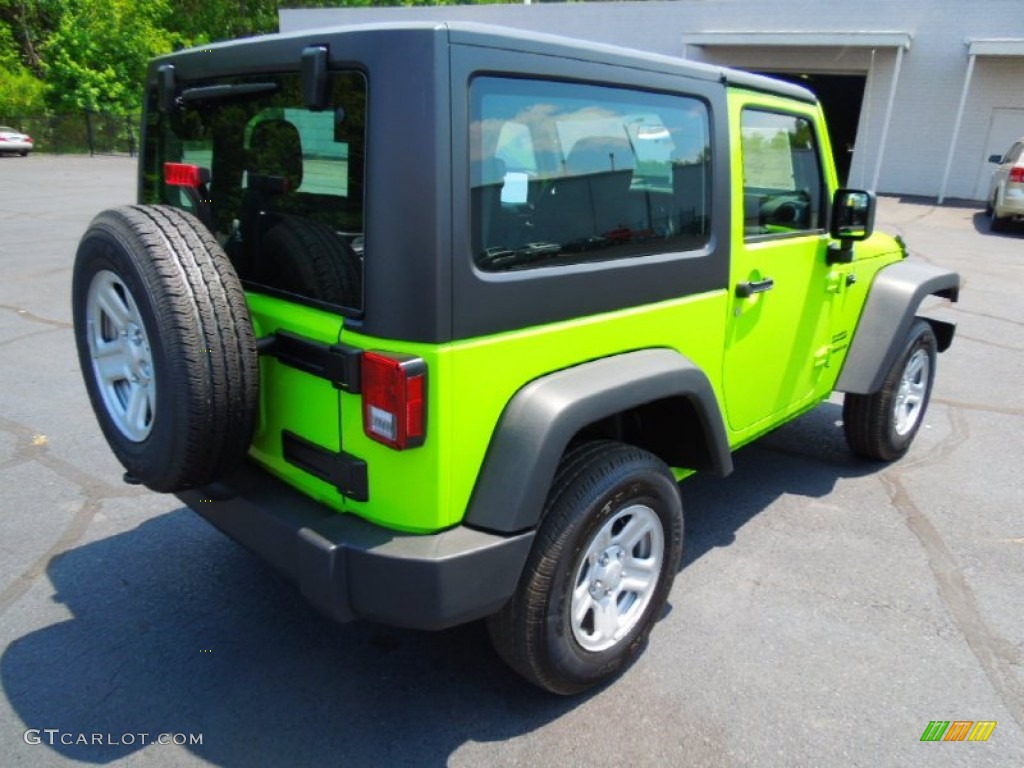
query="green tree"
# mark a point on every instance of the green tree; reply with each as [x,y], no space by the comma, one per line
[70,55]
[21,92]
[206,21]
[24,26]
[96,57]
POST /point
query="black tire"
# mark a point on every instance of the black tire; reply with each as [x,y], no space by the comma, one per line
[179,407]
[309,258]
[599,487]
[24,153]
[881,426]
[997,224]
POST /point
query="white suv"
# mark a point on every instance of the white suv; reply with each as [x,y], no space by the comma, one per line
[1006,194]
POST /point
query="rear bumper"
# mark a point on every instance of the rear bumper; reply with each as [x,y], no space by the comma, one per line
[349,568]
[1011,202]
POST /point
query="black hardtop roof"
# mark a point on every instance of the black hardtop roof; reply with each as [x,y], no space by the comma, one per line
[510,39]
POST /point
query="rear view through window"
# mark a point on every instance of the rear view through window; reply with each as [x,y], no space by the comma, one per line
[567,173]
[282,185]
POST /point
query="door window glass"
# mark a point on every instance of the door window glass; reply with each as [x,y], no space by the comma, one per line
[783,186]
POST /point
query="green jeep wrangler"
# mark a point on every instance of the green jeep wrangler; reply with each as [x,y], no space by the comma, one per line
[435,317]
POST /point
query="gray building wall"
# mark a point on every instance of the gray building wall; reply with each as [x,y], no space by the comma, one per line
[932,74]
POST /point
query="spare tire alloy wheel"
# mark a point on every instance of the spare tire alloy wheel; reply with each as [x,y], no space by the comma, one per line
[122,362]
[166,346]
[600,570]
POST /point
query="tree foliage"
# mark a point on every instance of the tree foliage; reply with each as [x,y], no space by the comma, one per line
[62,55]
[96,56]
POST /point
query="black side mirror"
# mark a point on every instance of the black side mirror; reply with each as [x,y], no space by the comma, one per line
[853,214]
[853,219]
[995,159]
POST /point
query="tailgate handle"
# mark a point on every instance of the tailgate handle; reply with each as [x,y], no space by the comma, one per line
[746,290]
[340,364]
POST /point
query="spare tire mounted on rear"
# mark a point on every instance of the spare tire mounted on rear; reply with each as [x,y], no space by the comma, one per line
[166,346]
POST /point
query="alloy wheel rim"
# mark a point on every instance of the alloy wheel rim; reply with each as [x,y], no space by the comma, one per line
[616,578]
[910,398]
[122,361]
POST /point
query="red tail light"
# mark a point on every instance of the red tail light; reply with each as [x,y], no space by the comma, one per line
[183,175]
[1017,175]
[394,399]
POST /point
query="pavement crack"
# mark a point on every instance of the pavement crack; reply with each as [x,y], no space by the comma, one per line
[70,535]
[32,317]
[960,310]
[29,335]
[28,448]
[989,343]
[995,654]
[963,405]
[112,683]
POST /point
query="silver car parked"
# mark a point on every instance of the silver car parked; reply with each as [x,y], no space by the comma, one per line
[1005,199]
[14,142]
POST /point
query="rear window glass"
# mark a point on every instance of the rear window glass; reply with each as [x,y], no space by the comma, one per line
[284,184]
[566,173]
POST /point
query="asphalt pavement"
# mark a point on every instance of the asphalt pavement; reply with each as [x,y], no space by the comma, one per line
[829,609]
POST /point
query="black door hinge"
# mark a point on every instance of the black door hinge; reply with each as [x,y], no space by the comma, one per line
[338,363]
[344,471]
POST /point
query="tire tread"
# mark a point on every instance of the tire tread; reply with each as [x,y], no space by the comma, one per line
[867,418]
[517,631]
[207,340]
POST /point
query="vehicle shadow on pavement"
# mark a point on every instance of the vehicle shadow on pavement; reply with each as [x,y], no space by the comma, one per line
[983,225]
[805,457]
[177,630]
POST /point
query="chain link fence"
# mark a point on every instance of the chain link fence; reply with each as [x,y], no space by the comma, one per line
[95,133]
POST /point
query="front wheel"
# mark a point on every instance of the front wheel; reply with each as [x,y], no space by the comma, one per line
[882,425]
[600,571]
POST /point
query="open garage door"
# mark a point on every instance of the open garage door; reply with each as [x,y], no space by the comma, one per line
[841,97]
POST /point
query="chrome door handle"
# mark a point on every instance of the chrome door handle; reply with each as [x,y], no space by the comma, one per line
[746,290]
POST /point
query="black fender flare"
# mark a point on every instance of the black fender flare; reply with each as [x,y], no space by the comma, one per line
[543,417]
[892,304]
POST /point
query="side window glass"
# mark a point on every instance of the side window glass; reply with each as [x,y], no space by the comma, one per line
[566,173]
[783,186]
